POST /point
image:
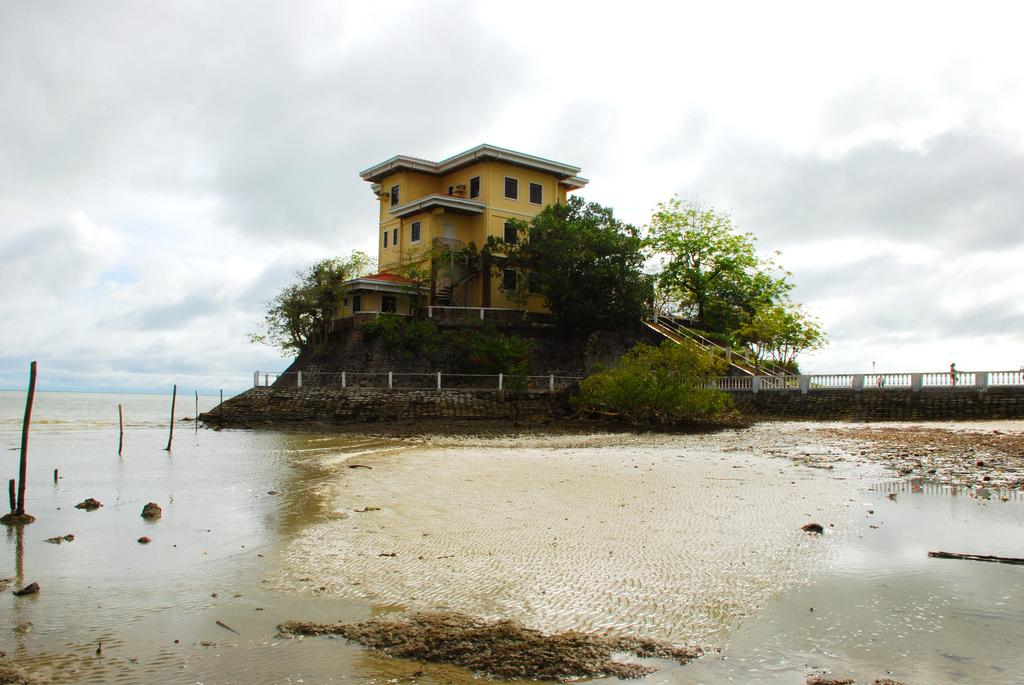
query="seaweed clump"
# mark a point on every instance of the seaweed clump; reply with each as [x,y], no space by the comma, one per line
[500,649]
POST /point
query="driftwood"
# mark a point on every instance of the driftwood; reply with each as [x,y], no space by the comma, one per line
[977,557]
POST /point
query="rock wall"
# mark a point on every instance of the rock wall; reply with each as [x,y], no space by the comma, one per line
[552,352]
[284,405]
[928,404]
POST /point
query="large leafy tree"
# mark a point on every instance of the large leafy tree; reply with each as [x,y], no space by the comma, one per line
[710,271]
[780,332]
[302,314]
[586,263]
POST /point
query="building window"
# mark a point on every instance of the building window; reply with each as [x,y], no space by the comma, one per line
[511,188]
[533,282]
[451,189]
[357,303]
[414,232]
[536,194]
[394,237]
[508,279]
[388,303]
[394,195]
[385,238]
[474,187]
[511,234]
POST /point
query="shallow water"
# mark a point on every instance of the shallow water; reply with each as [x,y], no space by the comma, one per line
[700,550]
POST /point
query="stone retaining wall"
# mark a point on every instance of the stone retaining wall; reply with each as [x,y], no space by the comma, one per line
[267,405]
[927,404]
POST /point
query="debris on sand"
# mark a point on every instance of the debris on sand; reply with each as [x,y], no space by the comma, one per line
[366,509]
[225,626]
[89,504]
[501,649]
[359,466]
[30,589]
[827,680]
[60,539]
[11,674]
[945,455]
[152,510]
[812,528]
[144,540]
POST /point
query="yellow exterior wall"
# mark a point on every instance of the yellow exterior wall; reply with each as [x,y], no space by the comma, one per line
[468,228]
[371,302]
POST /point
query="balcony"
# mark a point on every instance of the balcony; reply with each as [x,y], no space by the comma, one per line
[448,203]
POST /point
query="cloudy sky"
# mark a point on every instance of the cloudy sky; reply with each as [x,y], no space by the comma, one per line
[166,168]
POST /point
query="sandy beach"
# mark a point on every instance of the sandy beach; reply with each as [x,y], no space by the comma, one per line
[672,537]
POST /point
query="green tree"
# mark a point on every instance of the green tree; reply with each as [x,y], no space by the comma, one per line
[302,314]
[709,270]
[780,332]
[658,385]
[587,265]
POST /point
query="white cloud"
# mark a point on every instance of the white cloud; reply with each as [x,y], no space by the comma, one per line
[165,169]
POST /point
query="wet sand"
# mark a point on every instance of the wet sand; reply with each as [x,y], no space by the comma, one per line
[669,537]
[688,538]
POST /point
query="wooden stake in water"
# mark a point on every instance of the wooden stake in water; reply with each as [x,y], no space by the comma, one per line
[23,467]
[120,430]
[197,411]
[170,434]
[10,494]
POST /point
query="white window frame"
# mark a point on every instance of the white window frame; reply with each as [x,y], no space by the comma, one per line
[394,194]
[470,188]
[530,194]
[504,188]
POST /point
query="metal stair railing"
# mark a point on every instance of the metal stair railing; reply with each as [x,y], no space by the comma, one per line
[742,363]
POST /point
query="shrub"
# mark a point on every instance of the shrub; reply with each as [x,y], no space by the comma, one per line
[658,385]
[486,350]
[411,336]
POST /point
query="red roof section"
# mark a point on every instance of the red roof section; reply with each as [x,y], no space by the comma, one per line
[388,278]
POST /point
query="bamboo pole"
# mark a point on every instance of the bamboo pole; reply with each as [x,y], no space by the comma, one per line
[170,432]
[11,484]
[23,467]
[197,411]
[120,430]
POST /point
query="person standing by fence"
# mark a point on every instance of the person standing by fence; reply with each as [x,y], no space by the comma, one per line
[952,374]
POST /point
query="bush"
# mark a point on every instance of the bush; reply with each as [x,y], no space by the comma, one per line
[658,385]
[411,336]
[486,350]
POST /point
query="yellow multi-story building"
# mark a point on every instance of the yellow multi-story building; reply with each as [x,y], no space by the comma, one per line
[433,214]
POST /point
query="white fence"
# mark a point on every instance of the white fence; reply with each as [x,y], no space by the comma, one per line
[412,381]
[979,380]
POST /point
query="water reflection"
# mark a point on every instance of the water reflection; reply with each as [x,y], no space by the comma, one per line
[884,607]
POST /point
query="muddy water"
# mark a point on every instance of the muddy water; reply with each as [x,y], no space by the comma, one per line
[683,537]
